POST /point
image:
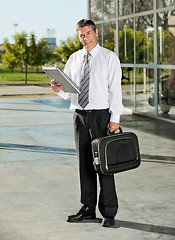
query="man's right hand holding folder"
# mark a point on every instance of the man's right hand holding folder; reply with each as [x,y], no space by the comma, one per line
[56,87]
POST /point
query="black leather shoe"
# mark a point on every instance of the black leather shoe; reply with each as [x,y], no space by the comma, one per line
[84,213]
[108,222]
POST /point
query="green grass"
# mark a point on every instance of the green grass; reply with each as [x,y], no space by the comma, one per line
[8,77]
[19,78]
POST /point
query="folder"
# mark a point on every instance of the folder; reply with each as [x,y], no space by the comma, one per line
[59,76]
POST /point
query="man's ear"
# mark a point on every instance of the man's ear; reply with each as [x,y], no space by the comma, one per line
[96,32]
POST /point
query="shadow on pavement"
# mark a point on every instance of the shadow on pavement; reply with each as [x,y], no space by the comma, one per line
[134,225]
[145,227]
[34,148]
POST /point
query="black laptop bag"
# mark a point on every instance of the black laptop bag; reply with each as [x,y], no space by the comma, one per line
[116,153]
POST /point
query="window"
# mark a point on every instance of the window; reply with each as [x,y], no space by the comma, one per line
[146,31]
[126,41]
[144,39]
[166,37]
[142,5]
[128,87]
[109,36]
[125,7]
[109,9]
[165,3]
[96,10]
[145,90]
[166,92]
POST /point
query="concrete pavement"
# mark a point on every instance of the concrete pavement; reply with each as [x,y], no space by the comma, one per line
[7,90]
[39,184]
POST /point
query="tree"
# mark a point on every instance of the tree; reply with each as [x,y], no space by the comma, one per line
[25,52]
[163,17]
[17,55]
[8,59]
[68,47]
[38,52]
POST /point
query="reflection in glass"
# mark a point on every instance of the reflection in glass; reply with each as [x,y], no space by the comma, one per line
[126,41]
[144,39]
[142,5]
[166,91]
[128,87]
[145,90]
[166,37]
[125,7]
[109,37]
[96,10]
[165,3]
[109,9]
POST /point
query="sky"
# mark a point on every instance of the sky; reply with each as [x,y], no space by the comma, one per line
[54,18]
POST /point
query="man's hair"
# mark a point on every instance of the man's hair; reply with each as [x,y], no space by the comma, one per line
[85,22]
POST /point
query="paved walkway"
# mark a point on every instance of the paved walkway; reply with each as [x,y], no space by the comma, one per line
[24,90]
[39,183]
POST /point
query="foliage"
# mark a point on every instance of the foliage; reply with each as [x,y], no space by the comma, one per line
[17,54]
[39,53]
[25,52]
[168,52]
[68,47]
[109,43]
[145,46]
[126,53]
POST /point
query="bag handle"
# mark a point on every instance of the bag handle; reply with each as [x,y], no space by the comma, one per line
[109,133]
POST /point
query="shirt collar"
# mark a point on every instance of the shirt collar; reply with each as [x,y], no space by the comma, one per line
[94,51]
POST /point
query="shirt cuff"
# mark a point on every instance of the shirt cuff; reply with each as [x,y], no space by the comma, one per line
[63,94]
[115,118]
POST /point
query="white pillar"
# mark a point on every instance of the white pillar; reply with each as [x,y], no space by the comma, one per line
[88,9]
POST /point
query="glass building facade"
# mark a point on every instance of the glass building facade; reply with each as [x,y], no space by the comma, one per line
[142,34]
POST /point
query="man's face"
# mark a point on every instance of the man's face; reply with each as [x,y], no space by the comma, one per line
[88,37]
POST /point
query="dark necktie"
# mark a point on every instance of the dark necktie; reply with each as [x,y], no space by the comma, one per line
[83,98]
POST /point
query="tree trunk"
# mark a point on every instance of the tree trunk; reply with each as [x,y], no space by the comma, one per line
[26,74]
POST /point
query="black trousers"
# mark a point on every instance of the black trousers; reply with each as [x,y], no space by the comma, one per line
[89,125]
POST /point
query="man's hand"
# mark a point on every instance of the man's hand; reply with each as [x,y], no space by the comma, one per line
[113,126]
[56,87]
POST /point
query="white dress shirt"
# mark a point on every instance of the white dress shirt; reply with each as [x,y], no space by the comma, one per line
[105,81]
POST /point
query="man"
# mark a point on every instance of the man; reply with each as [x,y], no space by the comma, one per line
[97,108]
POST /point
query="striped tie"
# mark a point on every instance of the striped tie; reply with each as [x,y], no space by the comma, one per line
[83,98]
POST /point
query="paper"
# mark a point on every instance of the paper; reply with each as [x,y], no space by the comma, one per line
[59,76]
